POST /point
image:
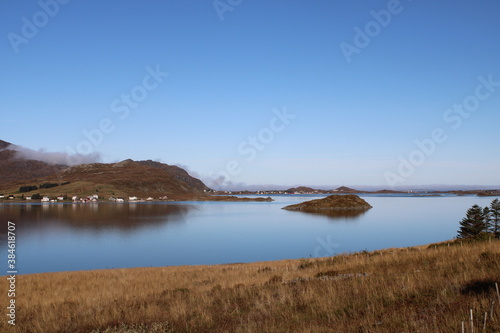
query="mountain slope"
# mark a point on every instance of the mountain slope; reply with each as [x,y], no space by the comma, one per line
[15,171]
[4,144]
[178,173]
[143,179]
[135,178]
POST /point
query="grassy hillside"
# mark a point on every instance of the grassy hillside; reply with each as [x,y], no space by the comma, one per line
[427,289]
[15,171]
[127,178]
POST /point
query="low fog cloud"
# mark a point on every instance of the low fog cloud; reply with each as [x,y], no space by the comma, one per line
[189,171]
[220,182]
[216,182]
[54,157]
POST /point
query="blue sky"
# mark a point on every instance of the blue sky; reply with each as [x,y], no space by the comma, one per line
[226,69]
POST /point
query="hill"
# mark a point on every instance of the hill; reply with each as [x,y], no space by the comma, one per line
[17,171]
[4,144]
[178,173]
[136,179]
[344,189]
[126,178]
[301,189]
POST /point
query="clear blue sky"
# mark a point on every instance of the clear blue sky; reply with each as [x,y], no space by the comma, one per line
[359,101]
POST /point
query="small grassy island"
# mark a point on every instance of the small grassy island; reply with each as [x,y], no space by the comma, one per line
[333,205]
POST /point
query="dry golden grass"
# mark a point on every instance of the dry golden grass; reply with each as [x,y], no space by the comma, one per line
[398,290]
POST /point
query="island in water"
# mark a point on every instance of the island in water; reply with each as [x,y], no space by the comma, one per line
[333,205]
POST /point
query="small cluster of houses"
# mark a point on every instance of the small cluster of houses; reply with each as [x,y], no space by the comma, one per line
[130,199]
[92,198]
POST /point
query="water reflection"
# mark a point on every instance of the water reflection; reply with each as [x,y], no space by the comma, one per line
[93,216]
[62,237]
[337,215]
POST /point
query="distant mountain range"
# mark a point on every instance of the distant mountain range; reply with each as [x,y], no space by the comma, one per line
[147,179]
[126,178]
[480,191]
[359,188]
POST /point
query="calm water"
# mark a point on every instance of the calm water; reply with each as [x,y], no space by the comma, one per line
[64,237]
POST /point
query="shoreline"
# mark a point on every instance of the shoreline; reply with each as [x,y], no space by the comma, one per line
[236,197]
[432,288]
[280,262]
[201,199]
[390,290]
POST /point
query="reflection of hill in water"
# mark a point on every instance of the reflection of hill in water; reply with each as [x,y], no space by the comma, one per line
[93,216]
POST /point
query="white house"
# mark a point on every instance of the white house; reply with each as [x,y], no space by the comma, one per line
[28,198]
[60,198]
[120,200]
[132,198]
[45,199]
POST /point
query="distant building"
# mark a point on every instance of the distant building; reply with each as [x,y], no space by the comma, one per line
[120,200]
[45,199]
[132,198]
[28,198]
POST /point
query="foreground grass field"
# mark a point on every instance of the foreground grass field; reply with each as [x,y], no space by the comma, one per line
[425,289]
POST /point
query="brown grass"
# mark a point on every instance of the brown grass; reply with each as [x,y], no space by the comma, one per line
[398,290]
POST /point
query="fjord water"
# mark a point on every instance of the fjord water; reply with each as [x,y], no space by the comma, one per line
[68,237]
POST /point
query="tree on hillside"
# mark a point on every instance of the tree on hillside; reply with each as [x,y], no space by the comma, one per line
[487,219]
[474,223]
[27,188]
[494,215]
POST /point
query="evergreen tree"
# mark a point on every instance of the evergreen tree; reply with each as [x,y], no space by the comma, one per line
[474,223]
[487,218]
[495,218]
